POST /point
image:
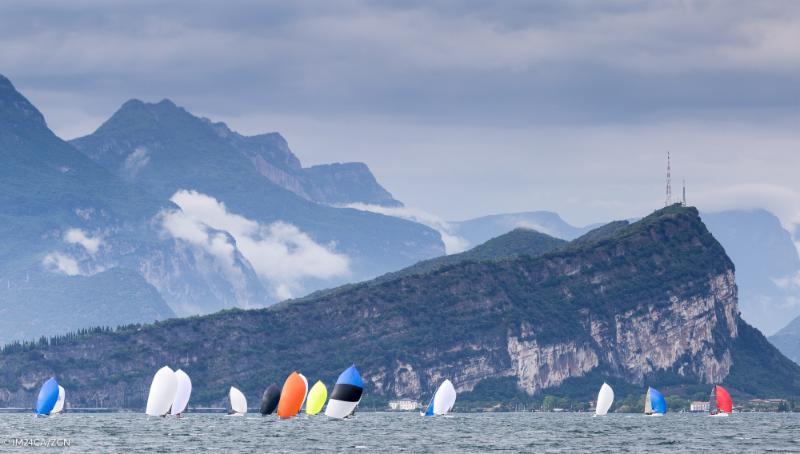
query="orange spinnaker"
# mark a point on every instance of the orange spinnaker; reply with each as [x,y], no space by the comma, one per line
[292,396]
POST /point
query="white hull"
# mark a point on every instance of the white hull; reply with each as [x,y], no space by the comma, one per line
[720,415]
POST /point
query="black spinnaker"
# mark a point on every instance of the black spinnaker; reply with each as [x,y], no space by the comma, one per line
[270,399]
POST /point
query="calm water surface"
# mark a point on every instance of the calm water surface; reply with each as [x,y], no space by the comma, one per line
[407,432]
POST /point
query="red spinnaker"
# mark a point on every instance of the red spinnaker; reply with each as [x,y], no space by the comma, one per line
[724,401]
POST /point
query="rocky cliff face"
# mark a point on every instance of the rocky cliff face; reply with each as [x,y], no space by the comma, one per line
[654,302]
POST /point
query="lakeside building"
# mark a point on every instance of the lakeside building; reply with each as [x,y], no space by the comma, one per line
[699,405]
[403,405]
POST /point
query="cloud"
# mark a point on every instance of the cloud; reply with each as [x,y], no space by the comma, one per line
[135,162]
[78,236]
[452,243]
[62,263]
[281,254]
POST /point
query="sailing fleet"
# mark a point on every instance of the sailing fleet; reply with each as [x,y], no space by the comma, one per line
[170,392]
[720,402]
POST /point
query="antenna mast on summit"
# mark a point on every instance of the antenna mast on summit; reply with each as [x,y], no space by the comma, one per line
[668,199]
[684,192]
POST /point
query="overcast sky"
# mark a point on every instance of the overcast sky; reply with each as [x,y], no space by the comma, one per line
[460,108]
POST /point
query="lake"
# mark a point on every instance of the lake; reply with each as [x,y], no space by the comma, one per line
[405,432]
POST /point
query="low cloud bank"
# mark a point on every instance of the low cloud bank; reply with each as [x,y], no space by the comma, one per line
[452,243]
[280,253]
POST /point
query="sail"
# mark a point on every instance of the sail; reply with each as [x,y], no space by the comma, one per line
[305,380]
[604,400]
[182,393]
[59,406]
[657,402]
[648,404]
[292,396]
[48,396]
[443,400]
[162,392]
[316,398]
[238,401]
[269,401]
[346,394]
[723,400]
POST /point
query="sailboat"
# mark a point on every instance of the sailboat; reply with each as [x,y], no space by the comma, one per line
[293,395]
[720,402]
[59,407]
[316,398]
[48,396]
[442,401]
[654,403]
[238,402]
[346,394]
[604,400]
[182,393]
[270,399]
[162,392]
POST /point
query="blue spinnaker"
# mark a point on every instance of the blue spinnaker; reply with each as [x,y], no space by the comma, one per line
[48,395]
[657,401]
[350,377]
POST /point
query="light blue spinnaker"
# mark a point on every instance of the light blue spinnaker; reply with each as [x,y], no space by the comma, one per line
[48,396]
[657,401]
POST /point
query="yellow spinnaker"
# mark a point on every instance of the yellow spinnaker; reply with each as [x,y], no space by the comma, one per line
[316,398]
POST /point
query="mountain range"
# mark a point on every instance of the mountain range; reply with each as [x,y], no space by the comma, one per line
[649,303]
[161,213]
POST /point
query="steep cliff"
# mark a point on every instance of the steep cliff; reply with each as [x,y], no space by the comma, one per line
[655,300]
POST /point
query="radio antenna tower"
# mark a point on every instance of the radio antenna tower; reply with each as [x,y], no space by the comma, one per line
[684,192]
[668,199]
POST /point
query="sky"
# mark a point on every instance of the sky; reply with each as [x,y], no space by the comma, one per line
[460,108]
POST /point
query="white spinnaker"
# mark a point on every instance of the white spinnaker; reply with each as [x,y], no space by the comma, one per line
[305,380]
[182,393]
[604,400]
[238,401]
[162,392]
[339,408]
[59,407]
[444,399]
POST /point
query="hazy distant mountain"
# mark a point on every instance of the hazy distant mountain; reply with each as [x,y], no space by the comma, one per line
[56,208]
[255,189]
[787,340]
[652,302]
[479,230]
[89,242]
[767,265]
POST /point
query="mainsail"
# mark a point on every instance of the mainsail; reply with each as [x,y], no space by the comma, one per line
[48,396]
[270,399]
[604,400]
[443,400]
[162,392]
[182,393]
[292,396]
[316,398]
[62,395]
[238,401]
[654,404]
[346,394]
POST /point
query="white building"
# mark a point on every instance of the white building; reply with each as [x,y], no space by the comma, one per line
[403,405]
[699,405]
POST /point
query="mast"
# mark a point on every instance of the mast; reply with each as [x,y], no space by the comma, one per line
[668,198]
